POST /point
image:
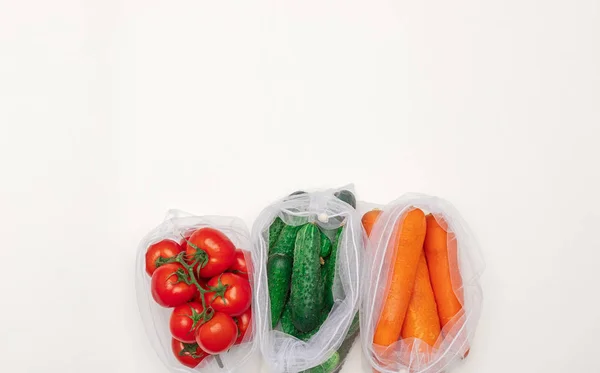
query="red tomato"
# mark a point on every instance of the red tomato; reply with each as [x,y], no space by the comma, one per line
[229,293]
[168,286]
[186,237]
[160,251]
[184,321]
[239,266]
[218,334]
[243,322]
[216,252]
[188,354]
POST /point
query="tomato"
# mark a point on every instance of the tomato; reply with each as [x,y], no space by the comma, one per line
[164,249]
[239,266]
[243,322]
[188,354]
[218,334]
[184,321]
[216,252]
[168,286]
[229,293]
[186,237]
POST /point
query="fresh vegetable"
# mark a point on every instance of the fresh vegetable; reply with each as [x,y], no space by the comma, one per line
[369,219]
[288,326]
[407,246]
[274,231]
[240,266]
[325,245]
[243,323]
[286,240]
[186,238]
[328,366]
[354,326]
[421,319]
[346,196]
[306,301]
[440,251]
[218,334]
[170,287]
[160,253]
[279,276]
[188,354]
[229,293]
[184,321]
[345,348]
[211,250]
[328,270]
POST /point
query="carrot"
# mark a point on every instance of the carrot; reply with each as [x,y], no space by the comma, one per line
[408,246]
[422,316]
[439,249]
[369,219]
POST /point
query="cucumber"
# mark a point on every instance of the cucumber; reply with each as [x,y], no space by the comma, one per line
[274,231]
[286,240]
[279,273]
[346,196]
[325,245]
[344,349]
[354,326]
[288,326]
[329,269]
[306,301]
[328,366]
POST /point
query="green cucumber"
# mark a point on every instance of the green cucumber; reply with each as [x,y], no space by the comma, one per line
[325,245]
[286,240]
[328,366]
[346,196]
[306,301]
[288,326]
[345,348]
[354,326]
[329,269]
[274,231]
[279,273]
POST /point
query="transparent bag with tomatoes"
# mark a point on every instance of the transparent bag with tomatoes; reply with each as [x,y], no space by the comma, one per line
[444,302]
[175,260]
[308,249]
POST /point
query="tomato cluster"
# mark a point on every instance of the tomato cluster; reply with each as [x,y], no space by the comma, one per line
[204,278]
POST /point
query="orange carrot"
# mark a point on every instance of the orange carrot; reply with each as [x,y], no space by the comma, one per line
[422,316]
[440,250]
[408,247]
[369,219]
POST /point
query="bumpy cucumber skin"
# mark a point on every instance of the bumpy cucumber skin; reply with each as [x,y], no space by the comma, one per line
[285,241]
[306,296]
[274,231]
[346,196]
[325,245]
[279,274]
[288,326]
[329,269]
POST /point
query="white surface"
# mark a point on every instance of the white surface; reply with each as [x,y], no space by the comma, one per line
[113,112]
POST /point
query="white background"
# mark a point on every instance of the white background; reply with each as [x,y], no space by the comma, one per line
[113,112]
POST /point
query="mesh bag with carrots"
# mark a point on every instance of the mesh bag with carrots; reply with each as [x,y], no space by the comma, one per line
[422,297]
[308,248]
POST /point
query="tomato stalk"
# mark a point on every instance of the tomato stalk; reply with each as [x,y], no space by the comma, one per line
[189,348]
[219,290]
[190,279]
